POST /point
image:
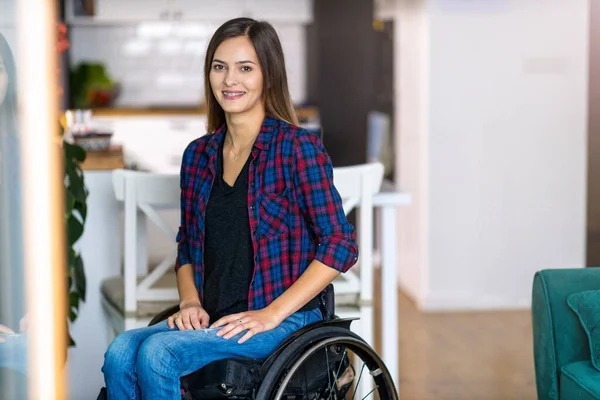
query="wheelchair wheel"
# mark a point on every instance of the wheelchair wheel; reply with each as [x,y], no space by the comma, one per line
[328,363]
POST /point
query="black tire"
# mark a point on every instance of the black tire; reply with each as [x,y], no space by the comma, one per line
[315,340]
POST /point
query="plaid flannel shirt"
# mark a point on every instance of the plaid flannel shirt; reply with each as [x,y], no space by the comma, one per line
[296,213]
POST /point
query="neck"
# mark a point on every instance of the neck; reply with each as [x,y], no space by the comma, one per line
[243,128]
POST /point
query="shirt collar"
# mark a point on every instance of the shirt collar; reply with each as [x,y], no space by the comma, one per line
[262,142]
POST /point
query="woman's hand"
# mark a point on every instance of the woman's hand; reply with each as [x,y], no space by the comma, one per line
[5,329]
[24,324]
[189,316]
[253,321]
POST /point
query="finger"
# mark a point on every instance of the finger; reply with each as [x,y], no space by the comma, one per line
[185,317]
[224,330]
[194,320]
[204,319]
[227,320]
[24,324]
[247,336]
[170,322]
[179,323]
[237,329]
[233,332]
[6,329]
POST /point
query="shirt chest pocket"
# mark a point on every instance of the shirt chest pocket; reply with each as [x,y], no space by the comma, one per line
[274,214]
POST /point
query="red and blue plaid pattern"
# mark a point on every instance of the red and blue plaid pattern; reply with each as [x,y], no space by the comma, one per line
[296,213]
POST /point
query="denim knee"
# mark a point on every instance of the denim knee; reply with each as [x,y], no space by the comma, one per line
[155,357]
[120,355]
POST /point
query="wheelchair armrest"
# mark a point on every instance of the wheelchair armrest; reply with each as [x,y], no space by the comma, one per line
[161,316]
[328,303]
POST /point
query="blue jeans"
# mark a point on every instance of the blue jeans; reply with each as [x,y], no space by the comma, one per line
[148,362]
[13,353]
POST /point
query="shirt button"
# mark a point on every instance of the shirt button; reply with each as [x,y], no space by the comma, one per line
[252,184]
[252,207]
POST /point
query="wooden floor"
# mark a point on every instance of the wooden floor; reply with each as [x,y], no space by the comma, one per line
[464,356]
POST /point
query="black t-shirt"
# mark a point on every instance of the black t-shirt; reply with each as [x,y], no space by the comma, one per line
[228,252]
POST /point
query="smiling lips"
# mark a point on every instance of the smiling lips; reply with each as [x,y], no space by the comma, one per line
[230,95]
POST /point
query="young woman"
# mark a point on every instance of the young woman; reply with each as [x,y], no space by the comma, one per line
[12,346]
[262,232]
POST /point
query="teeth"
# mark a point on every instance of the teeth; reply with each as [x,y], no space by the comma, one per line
[229,94]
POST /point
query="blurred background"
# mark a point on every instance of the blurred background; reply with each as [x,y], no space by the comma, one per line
[485,115]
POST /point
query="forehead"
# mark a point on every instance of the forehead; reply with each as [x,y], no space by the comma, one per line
[236,49]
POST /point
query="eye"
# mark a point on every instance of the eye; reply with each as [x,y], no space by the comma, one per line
[246,68]
[218,67]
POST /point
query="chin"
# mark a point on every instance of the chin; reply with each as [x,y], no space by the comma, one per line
[233,110]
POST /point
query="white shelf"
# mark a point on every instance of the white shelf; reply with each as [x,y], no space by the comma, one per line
[114,12]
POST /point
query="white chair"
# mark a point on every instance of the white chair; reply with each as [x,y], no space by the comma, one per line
[354,290]
[131,300]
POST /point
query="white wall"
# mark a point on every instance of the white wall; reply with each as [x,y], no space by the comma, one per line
[492,101]
[161,63]
[411,75]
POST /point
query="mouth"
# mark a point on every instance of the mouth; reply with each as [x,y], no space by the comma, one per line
[231,95]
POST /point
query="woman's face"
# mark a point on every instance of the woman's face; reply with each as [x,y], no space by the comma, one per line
[236,79]
[3,81]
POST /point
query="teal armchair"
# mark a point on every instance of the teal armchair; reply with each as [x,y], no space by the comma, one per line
[561,348]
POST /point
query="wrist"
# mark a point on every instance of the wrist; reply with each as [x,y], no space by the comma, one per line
[189,302]
[277,312]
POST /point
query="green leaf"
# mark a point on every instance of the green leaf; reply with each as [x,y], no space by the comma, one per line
[76,186]
[81,208]
[74,300]
[69,202]
[72,315]
[74,151]
[80,279]
[74,229]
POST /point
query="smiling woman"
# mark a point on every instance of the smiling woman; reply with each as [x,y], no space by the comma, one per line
[262,232]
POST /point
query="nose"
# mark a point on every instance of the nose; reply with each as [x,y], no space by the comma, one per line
[231,77]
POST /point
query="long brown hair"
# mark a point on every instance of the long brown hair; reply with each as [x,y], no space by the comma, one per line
[266,43]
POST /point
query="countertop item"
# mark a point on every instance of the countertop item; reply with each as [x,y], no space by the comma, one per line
[109,159]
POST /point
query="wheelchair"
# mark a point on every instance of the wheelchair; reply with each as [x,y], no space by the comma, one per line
[324,360]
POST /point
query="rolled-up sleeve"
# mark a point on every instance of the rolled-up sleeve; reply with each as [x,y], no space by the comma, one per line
[183,248]
[322,204]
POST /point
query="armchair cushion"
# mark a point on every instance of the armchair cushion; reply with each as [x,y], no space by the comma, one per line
[586,305]
[579,381]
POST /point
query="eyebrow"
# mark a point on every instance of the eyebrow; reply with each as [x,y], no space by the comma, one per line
[237,62]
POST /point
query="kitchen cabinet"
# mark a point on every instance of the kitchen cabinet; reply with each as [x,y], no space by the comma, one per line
[119,10]
[135,11]
[292,11]
[222,10]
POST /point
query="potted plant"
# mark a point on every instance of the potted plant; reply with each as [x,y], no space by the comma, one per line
[75,211]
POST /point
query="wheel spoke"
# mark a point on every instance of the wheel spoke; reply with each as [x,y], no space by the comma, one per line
[358,382]
[328,374]
[339,380]
[372,390]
